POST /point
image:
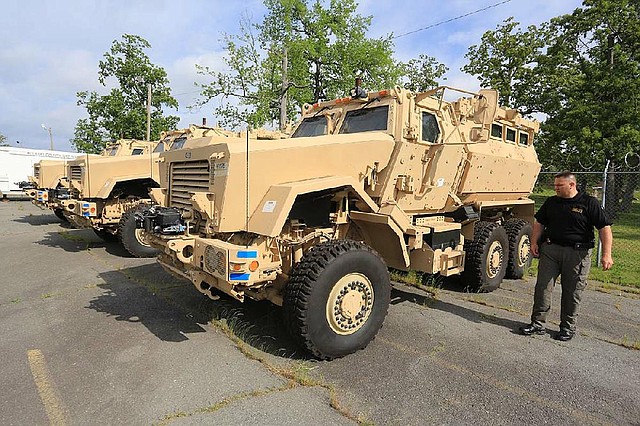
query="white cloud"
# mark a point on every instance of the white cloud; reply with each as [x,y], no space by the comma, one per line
[50,50]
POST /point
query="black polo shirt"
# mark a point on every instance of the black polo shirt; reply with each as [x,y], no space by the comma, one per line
[571,220]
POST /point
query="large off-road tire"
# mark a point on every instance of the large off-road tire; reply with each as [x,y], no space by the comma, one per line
[519,233]
[131,237]
[105,235]
[486,257]
[337,298]
[60,215]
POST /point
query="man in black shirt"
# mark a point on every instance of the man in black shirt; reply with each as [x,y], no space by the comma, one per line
[562,238]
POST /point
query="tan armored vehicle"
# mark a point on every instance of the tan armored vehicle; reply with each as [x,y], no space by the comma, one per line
[104,191]
[311,223]
[49,185]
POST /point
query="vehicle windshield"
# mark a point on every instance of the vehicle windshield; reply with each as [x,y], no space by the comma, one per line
[137,151]
[178,143]
[159,147]
[111,151]
[313,126]
[365,120]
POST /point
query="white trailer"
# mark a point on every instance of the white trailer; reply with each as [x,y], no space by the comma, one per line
[16,165]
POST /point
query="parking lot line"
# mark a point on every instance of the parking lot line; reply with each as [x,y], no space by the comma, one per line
[46,389]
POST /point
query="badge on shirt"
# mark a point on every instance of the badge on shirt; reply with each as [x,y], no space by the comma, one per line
[576,210]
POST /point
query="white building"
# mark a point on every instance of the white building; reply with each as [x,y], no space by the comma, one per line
[16,165]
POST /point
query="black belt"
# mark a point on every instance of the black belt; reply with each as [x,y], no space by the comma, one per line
[577,246]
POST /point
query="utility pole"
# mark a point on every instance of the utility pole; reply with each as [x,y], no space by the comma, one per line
[283,94]
[149,111]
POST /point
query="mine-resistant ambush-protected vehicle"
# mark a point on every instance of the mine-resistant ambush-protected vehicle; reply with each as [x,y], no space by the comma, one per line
[49,183]
[105,191]
[311,223]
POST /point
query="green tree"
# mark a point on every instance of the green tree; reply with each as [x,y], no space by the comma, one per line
[325,48]
[582,70]
[3,140]
[123,112]
[422,73]
[592,90]
[506,60]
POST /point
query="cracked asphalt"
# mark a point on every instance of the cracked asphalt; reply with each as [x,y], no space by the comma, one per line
[92,336]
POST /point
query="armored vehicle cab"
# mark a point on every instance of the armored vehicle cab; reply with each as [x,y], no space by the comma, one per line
[311,223]
[105,191]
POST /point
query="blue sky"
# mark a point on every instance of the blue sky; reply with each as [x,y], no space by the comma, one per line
[49,50]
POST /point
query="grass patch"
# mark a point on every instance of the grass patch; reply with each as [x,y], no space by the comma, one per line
[423,281]
[75,237]
[479,301]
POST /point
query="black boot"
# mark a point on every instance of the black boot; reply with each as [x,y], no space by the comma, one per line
[532,329]
[564,335]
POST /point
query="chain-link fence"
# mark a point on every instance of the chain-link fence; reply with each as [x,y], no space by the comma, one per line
[619,193]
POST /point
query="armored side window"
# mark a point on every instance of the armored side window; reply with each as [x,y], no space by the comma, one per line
[511,135]
[159,147]
[137,151]
[313,126]
[524,138]
[496,131]
[430,129]
[365,120]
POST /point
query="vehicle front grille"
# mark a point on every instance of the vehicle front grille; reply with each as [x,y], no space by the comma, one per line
[36,171]
[215,261]
[186,178]
[76,173]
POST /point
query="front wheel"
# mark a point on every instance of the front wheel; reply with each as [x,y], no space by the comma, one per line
[60,215]
[132,238]
[337,298]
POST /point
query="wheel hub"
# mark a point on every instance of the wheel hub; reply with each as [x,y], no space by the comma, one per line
[141,237]
[350,303]
[524,248]
[494,259]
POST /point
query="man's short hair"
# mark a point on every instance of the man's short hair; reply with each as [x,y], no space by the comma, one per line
[566,175]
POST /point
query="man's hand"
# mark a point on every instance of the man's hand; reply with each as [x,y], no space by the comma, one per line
[535,250]
[606,238]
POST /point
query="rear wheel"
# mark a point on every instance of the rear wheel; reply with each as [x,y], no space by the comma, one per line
[486,257]
[337,298]
[132,238]
[519,233]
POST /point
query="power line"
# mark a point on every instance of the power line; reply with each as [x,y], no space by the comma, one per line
[452,19]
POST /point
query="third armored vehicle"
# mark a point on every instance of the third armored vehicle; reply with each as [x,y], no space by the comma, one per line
[50,185]
[311,223]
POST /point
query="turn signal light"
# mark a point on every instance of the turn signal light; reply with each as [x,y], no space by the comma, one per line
[253,266]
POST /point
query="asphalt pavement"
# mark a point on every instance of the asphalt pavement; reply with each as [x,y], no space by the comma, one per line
[93,336]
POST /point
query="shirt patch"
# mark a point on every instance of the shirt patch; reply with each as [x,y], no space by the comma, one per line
[576,210]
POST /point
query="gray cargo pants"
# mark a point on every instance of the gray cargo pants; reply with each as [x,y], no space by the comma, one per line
[573,267]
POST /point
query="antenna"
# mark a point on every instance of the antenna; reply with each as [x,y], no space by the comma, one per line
[247,183]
